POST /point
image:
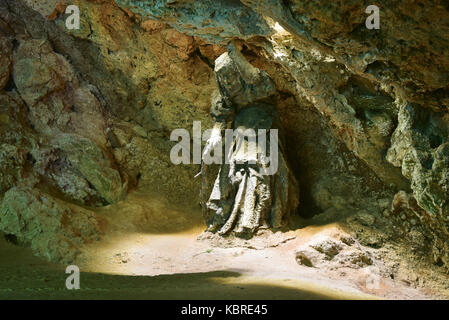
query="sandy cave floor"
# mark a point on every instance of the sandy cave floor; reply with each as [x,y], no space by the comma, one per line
[151,251]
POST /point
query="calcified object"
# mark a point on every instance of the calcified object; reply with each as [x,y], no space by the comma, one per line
[243,196]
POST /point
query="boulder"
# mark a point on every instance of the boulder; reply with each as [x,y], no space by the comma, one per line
[55,230]
[80,169]
[333,252]
[38,71]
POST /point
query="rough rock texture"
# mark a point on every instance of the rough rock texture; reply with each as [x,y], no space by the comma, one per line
[340,256]
[342,253]
[58,103]
[54,230]
[408,51]
[420,147]
[80,169]
[5,61]
[364,111]
[214,21]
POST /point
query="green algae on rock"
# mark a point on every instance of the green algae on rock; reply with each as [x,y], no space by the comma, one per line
[53,229]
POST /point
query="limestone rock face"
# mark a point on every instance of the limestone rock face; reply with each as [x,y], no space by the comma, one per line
[407,51]
[214,21]
[361,123]
[57,100]
[11,163]
[53,229]
[38,71]
[81,170]
[69,116]
[420,147]
[5,61]
[15,143]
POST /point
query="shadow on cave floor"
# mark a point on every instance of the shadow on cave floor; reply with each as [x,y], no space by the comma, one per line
[48,284]
[23,276]
[150,251]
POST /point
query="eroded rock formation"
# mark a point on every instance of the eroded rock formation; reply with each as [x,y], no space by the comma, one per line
[55,230]
[254,186]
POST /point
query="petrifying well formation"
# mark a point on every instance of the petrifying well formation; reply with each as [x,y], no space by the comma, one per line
[249,191]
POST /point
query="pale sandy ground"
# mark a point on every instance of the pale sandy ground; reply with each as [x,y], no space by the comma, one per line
[151,251]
